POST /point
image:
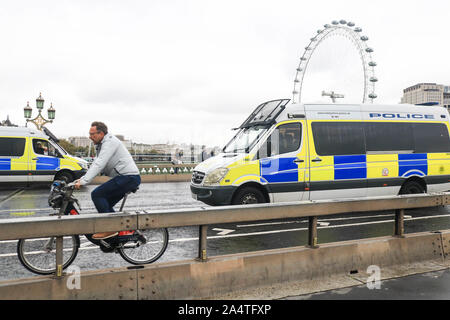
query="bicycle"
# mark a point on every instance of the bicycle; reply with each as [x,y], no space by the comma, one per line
[136,246]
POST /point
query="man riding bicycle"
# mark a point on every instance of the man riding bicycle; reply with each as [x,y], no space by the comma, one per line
[114,160]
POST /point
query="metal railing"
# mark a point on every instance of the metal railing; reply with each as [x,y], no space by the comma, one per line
[155,169]
[58,226]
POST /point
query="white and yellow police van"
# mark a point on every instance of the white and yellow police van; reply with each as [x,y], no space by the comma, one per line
[291,152]
[30,156]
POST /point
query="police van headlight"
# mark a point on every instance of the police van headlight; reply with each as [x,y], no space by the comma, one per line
[215,176]
[83,165]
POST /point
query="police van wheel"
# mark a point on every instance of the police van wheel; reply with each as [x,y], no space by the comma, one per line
[412,187]
[249,195]
[66,176]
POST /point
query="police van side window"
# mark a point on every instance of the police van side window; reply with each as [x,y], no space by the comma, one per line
[12,147]
[381,136]
[407,137]
[40,147]
[431,137]
[284,139]
[338,138]
[43,147]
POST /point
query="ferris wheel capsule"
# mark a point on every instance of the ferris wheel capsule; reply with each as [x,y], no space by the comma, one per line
[373,79]
[335,22]
[343,22]
[351,24]
[372,96]
[364,38]
[372,64]
[369,50]
[358,29]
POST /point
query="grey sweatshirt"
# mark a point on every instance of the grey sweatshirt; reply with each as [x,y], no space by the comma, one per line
[113,159]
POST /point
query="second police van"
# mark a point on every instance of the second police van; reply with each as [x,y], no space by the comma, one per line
[30,156]
[292,152]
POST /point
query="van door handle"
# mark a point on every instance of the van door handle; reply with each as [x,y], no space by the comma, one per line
[35,159]
[299,160]
[316,159]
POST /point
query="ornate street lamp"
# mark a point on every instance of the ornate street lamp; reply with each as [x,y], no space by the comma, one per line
[39,121]
[51,112]
[27,111]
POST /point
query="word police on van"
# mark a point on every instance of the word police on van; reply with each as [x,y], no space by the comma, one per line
[29,156]
[289,152]
[402,116]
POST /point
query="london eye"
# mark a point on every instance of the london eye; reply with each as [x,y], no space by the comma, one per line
[354,34]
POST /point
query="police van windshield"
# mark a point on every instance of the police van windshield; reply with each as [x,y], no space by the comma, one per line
[245,139]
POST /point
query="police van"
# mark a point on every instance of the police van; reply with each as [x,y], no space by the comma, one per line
[291,152]
[30,156]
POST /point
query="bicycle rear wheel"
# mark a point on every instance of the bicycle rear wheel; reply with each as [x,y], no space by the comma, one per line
[136,252]
[39,255]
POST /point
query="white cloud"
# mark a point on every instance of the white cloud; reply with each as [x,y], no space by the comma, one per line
[191,70]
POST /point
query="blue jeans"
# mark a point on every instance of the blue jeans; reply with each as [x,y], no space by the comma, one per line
[108,194]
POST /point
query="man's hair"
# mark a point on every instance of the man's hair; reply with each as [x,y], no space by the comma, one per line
[100,126]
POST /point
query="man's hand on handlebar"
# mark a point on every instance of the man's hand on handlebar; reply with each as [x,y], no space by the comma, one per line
[77,184]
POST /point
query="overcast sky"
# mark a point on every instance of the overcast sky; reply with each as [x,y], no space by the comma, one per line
[189,71]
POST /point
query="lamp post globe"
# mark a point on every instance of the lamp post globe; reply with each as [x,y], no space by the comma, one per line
[27,111]
[51,112]
[40,102]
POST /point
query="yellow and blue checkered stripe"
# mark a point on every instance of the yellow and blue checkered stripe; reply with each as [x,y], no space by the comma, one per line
[357,171]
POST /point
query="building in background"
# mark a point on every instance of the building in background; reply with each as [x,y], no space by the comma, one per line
[190,153]
[80,141]
[427,94]
[7,123]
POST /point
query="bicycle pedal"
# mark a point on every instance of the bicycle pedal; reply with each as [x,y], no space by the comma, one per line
[106,250]
[105,244]
[140,237]
[142,240]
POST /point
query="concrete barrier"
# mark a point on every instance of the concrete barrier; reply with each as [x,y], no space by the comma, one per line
[192,279]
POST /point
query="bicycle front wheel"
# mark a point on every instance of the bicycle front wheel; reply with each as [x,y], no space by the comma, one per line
[149,250]
[39,255]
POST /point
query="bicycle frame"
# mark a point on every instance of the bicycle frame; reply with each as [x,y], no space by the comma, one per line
[124,243]
[68,208]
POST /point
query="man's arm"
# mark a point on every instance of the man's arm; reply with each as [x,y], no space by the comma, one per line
[107,151]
